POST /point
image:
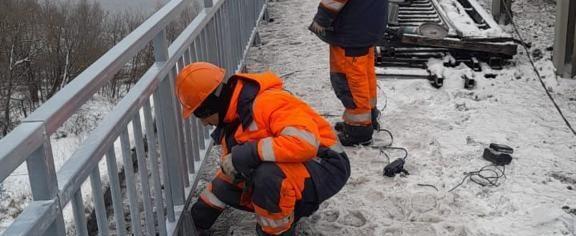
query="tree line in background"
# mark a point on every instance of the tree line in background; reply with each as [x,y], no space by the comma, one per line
[44,45]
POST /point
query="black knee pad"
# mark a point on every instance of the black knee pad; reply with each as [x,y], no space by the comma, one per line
[266,182]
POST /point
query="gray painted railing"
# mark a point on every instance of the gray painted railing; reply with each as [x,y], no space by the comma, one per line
[221,33]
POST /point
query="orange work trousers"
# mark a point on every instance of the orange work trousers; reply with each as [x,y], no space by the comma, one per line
[354,81]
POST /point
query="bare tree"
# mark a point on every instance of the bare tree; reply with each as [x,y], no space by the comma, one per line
[43,46]
[16,53]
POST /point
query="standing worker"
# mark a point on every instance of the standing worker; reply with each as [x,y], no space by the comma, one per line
[352,28]
[280,158]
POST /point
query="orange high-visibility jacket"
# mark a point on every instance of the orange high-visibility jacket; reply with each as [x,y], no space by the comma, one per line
[281,128]
[275,126]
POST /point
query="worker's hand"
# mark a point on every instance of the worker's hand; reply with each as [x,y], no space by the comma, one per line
[317,28]
[227,166]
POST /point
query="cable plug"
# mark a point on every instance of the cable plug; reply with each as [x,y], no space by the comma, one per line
[395,167]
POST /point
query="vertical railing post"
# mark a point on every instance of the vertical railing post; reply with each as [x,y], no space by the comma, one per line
[179,128]
[131,190]
[266,15]
[152,158]
[502,11]
[79,215]
[43,182]
[564,56]
[188,143]
[116,191]
[143,171]
[227,14]
[168,134]
[99,205]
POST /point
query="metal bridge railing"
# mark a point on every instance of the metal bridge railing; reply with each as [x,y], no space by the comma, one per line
[221,34]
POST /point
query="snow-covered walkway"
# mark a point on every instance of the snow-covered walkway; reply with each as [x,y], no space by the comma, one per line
[445,131]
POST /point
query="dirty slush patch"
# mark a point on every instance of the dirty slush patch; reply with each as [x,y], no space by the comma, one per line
[445,131]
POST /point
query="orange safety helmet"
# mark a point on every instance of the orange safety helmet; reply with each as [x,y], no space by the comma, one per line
[195,83]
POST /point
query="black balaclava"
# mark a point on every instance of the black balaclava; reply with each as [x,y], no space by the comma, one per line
[224,98]
[217,103]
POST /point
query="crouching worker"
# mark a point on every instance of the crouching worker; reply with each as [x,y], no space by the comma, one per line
[280,158]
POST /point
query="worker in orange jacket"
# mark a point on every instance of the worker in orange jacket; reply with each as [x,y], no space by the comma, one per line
[280,158]
[352,28]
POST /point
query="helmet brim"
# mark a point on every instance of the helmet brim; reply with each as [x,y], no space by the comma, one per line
[186,112]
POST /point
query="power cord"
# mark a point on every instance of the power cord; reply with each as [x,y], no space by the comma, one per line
[389,134]
[509,12]
[384,95]
[489,175]
[383,149]
[396,166]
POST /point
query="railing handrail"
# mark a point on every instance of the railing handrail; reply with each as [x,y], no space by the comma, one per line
[60,107]
[81,89]
[211,36]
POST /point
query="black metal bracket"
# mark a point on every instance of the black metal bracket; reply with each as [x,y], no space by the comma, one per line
[469,83]
[435,81]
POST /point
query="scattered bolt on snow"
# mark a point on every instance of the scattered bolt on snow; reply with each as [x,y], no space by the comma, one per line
[564,177]
[537,54]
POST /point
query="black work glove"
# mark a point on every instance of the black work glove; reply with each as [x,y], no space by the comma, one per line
[317,28]
[322,21]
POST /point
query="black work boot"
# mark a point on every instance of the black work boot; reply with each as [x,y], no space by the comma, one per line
[356,135]
[339,126]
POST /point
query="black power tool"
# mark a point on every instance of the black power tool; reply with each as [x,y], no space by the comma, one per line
[499,154]
[395,167]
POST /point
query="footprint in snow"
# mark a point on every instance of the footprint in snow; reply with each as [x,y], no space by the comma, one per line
[353,218]
[330,215]
[423,202]
[419,230]
[409,230]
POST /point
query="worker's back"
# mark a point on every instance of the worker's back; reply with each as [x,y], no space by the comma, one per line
[361,23]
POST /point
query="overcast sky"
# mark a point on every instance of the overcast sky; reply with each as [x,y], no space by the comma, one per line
[143,5]
[133,5]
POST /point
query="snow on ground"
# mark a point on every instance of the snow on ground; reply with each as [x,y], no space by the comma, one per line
[445,131]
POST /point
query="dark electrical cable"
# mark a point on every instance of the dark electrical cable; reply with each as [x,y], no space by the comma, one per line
[396,166]
[385,97]
[486,176]
[428,185]
[391,137]
[389,146]
[395,148]
[509,12]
